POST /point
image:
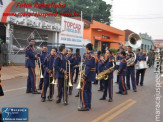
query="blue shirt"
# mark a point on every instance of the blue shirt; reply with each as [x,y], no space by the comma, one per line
[48,64]
[30,56]
[42,56]
[60,65]
[72,63]
[108,64]
[122,67]
[90,68]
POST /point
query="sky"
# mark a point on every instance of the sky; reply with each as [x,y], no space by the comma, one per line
[140,16]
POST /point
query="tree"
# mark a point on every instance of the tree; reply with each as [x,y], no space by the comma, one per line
[92,9]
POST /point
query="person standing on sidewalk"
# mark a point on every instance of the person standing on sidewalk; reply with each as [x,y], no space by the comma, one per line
[4,51]
[30,64]
[1,90]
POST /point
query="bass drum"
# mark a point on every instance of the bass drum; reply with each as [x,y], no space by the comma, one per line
[143,65]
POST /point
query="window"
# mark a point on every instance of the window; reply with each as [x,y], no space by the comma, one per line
[105,37]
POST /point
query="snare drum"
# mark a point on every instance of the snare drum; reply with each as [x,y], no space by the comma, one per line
[143,65]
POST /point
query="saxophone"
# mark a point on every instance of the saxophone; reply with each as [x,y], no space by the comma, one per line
[103,75]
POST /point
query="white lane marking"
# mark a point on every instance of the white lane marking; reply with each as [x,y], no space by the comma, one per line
[15,89]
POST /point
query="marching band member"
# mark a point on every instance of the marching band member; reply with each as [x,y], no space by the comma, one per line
[83,66]
[118,58]
[30,64]
[130,71]
[61,73]
[101,67]
[71,59]
[78,61]
[122,73]
[141,57]
[42,56]
[88,77]
[48,75]
[108,84]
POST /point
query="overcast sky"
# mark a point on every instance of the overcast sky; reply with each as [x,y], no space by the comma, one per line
[140,16]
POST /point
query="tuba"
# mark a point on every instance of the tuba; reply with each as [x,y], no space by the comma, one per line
[134,41]
[103,75]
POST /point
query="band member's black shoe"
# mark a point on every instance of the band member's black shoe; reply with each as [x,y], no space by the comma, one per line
[58,101]
[141,84]
[65,103]
[50,98]
[70,93]
[39,89]
[118,92]
[116,82]
[110,100]
[135,90]
[83,109]
[102,98]
[123,93]
[100,90]
[43,100]
[28,92]
[77,95]
[36,92]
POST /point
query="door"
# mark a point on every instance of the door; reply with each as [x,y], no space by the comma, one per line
[104,45]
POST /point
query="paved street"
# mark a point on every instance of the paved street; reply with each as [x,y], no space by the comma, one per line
[135,107]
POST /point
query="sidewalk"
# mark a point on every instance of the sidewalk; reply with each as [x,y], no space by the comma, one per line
[11,72]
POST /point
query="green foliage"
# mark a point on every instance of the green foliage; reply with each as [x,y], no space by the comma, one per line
[114,50]
[92,9]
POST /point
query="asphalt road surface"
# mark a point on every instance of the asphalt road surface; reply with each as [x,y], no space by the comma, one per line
[134,107]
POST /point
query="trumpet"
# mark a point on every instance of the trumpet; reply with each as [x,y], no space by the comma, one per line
[54,81]
[103,75]
[69,83]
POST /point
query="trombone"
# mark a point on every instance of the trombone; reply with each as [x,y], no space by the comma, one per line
[69,83]
[65,88]
[54,81]
[41,75]
[79,85]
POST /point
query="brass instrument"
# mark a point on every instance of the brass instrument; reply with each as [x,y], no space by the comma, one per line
[134,41]
[131,60]
[81,73]
[69,83]
[65,88]
[41,75]
[79,85]
[103,75]
[54,81]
